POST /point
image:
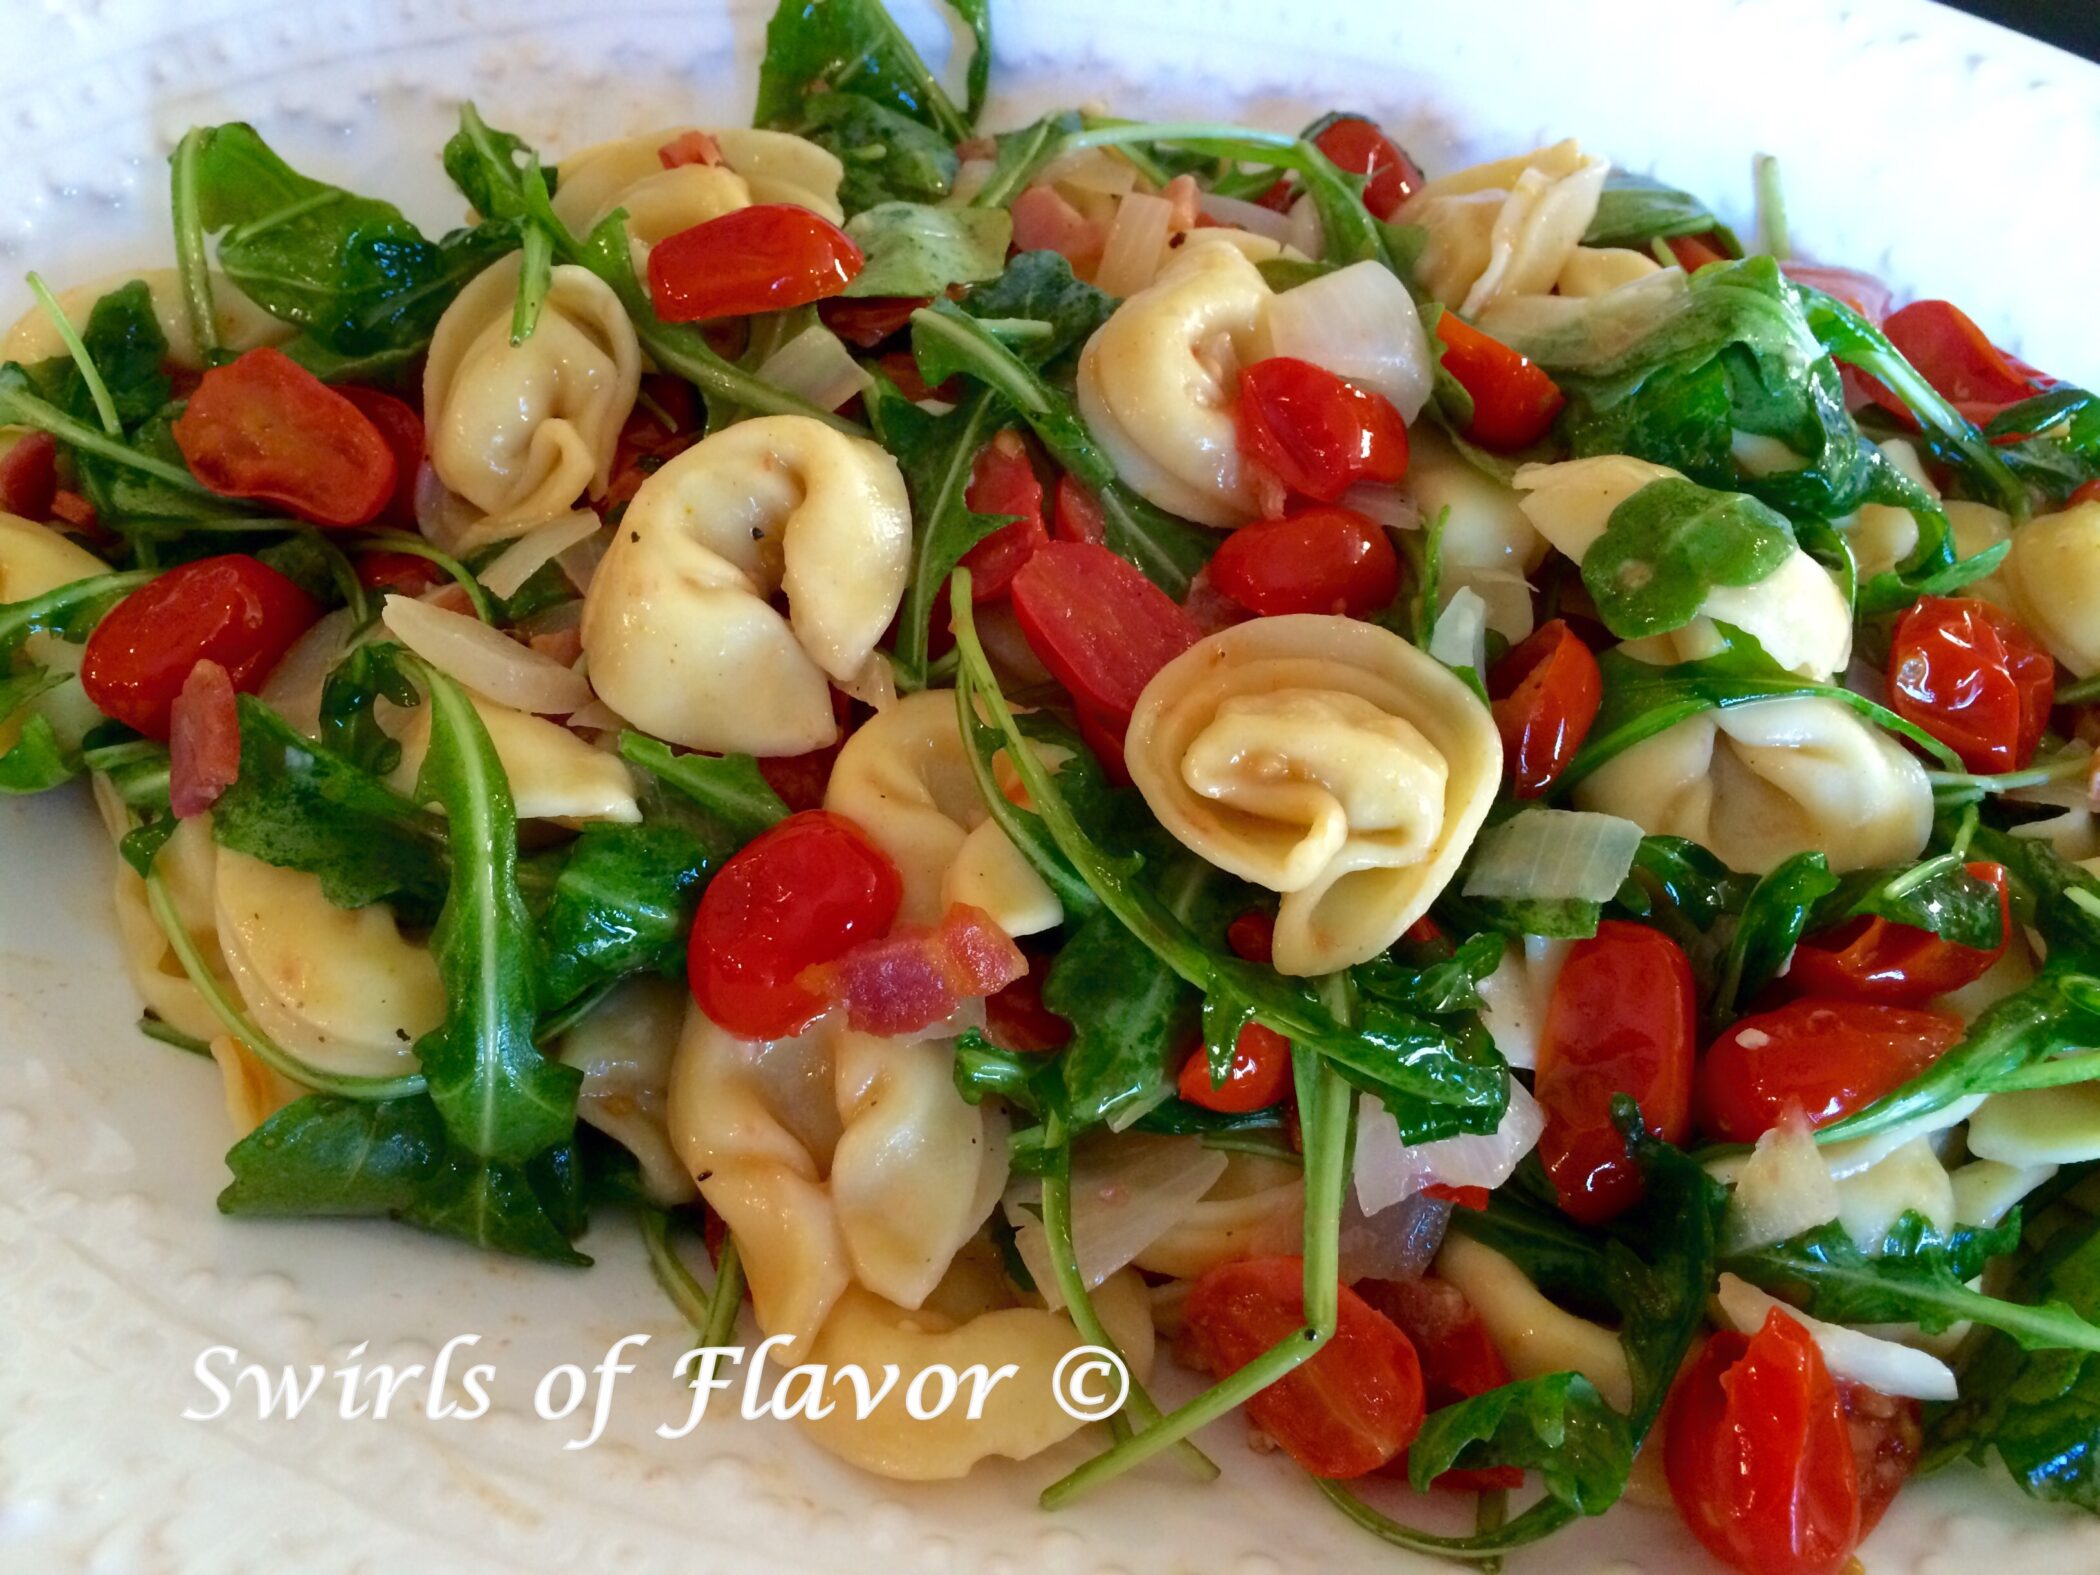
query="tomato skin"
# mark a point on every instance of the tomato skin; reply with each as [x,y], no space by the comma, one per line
[1969,674]
[1829,1057]
[1958,359]
[1003,481]
[263,428]
[1545,696]
[29,476]
[868,320]
[1314,432]
[1355,145]
[234,610]
[1252,937]
[1875,959]
[1759,1455]
[1888,1432]
[400,572]
[1347,1411]
[1260,1075]
[1078,514]
[1514,401]
[1458,1357]
[1694,252]
[402,430]
[1016,1018]
[765,258]
[1621,1020]
[1864,293]
[1099,625]
[2085,492]
[802,892]
[1323,560]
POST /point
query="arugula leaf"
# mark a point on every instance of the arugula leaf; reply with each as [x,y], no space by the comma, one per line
[913,249]
[349,697]
[500,1098]
[1450,984]
[1636,209]
[1132,1022]
[729,787]
[1773,919]
[887,157]
[39,759]
[529,1209]
[1019,156]
[1671,543]
[326,1155]
[1557,918]
[2059,898]
[1940,896]
[2051,442]
[123,339]
[816,47]
[1039,287]
[153,465]
[1556,1424]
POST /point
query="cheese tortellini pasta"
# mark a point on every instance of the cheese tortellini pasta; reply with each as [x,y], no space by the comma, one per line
[1323,758]
[624,1048]
[522,431]
[629,175]
[1506,228]
[1489,546]
[553,774]
[241,324]
[35,560]
[679,623]
[2053,577]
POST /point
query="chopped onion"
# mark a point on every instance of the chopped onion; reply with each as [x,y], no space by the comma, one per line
[1127,1192]
[1392,507]
[1514,998]
[873,684]
[1399,1244]
[1360,323]
[580,562]
[1782,1188]
[818,367]
[446,519]
[1879,1364]
[491,664]
[523,558]
[1460,637]
[1389,1171]
[1554,854]
[597,717]
[293,689]
[1306,232]
[1137,242]
[1251,216]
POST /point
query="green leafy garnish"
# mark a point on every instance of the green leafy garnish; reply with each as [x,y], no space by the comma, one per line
[1666,547]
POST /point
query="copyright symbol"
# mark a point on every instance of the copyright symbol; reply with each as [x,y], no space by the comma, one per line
[1090,1383]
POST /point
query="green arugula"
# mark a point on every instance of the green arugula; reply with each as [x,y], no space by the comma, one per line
[1019,156]
[887,157]
[1556,1424]
[349,700]
[1773,919]
[1634,210]
[1039,287]
[1939,895]
[1665,548]
[816,48]
[729,788]
[913,249]
[39,758]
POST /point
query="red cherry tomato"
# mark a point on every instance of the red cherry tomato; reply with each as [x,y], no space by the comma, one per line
[765,258]
[1459,1360]
[1325,560]
[1260,1075]
[262,427]
[1003,481]
[2086,492]
[402,430]
[1864,293]
[665,421]
[29,476]
[868,320]
[1315,433]
[1974,678]
[1016,1018]
[1545,696]
[1079,516]
[1829,1057]
[803,892]
[401,572]
[1514,402]
[1875,959]
[1252,937]
[1357,146]
[1620,1021]
[1759,1455]
[1959,360]
[1352,1407]
[233,610]
[1887,1434]
[1099,625]
[1694,252]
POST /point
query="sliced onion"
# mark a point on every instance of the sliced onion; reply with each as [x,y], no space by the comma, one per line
[1127,1191]
[1460,637]
[1306,231]
[580,562]
[523,558]
[1514,998]
[1251,216]
[1358,322]
[1399,1244]
[491,664]
[1553,854]
[1389,1171]
[1782,1188]
[1879,1364]
[818,367]
[1137,241]
[444,517]
[293,689]
[1393,507]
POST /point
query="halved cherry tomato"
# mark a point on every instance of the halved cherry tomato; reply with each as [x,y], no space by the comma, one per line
[1044,221]
[1875,959]
[803,892]
[1545,696]
[1759,1456]
[1357,146]
[689,147]
[1016,1018]
[902,368]
[1259,1077]
[1315,433]
[1099,625]
[401,572]
[1887,1431]
[1620,1020]
[233,610]
[29,476]
[1352,1407]
[1958,359]
[868,321]
[2086,492]
[765,258]
[1829,1057]
[1324,560]
[1459,1361]
[1971,675]
[1003,481]
[1464,1197]
[1078,514]
[1694,252]
[1514,402]
[263,427]
[1864,293]
[402,429]
[1252,936]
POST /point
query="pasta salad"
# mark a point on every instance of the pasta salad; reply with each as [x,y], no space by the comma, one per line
[1459,806]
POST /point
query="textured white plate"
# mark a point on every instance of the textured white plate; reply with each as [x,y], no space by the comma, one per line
[1950,156]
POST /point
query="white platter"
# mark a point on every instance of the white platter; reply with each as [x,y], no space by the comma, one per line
[1945,154]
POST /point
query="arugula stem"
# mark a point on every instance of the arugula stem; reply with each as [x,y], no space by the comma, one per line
[76,347]
[168,1034]
[1484,1547]
[1771,207]
[26,410]
[2079,693]
[2058,1073]
[727,1298]
[191,266]
[416,546]
[700,1306]
[2061,769]
[344,573]
[535,277]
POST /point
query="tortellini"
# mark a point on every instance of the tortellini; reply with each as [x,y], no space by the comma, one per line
[1506,228]
[553,774]
[1157,382]
[1488,544]
[1534,1336]
[35,559]
[1796,612]
[1255,1209]
[1599,270]
[186,865]
[629,174]
[242,325]
[2053,576]
[679,623]
[904,778]
[521,431]
[624,1048]
[1758,783]
[1323,758]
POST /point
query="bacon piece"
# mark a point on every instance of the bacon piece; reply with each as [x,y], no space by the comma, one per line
[1044,221]
[689,147]
[918,974]
[1181,195]
[29,477]
[564,645]
[204,741]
